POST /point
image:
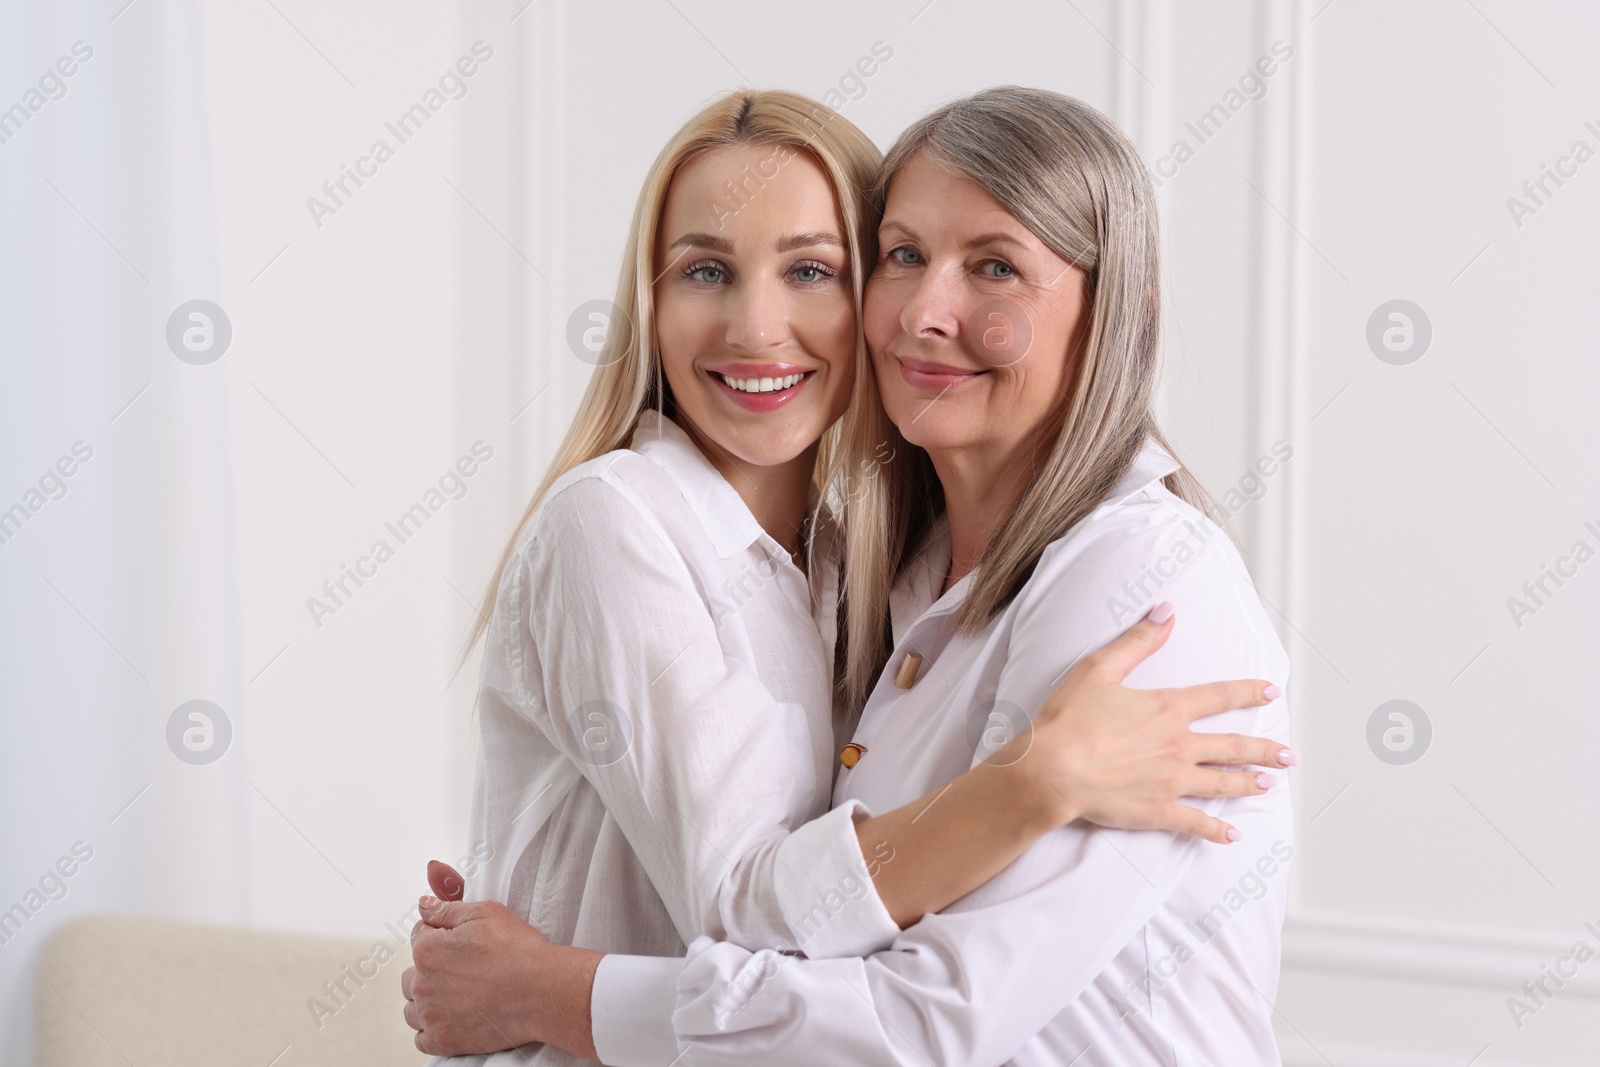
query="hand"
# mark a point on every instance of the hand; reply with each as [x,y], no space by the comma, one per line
[483,980]
[1121,758]
[466,990]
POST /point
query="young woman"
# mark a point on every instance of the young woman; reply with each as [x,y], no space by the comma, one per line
[658,725]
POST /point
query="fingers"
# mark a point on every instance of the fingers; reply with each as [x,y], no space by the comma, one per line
[407,976]
[1206,782]
[1213,698]
[446,914]
[1135,644]
[445,881]
[1240,750]
[1197,823]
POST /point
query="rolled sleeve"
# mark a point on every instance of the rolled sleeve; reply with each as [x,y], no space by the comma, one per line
[825,891]
[631,1007]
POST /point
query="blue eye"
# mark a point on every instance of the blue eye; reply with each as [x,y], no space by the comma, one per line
[706,273]
[1001,270]
[812,273]
[905,256]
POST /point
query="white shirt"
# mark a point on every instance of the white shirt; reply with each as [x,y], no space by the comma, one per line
[1096,947]
[656,719]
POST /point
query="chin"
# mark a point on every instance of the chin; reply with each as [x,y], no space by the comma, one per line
[918,421]
[770,449]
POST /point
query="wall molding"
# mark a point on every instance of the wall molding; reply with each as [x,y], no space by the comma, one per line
[1498,963]
[1280,356]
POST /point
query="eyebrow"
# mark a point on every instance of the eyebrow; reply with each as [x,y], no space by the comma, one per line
[993,239]
[807,239]
[975,242]
[704,240]
[889,224]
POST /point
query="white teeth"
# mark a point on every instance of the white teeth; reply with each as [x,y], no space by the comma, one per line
[762,385]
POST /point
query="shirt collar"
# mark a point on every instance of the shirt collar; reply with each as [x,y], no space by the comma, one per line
[916,592]
[1151,464]
[720,509]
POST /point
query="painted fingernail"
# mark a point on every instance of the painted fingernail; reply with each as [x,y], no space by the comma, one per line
[1233,833]
[1289,757]
[428,903]
[1265,781]
[1272,692]
[1160,613]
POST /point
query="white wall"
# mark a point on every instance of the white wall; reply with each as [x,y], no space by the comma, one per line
[371,351]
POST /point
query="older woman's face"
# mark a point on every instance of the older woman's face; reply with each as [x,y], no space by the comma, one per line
[971,320]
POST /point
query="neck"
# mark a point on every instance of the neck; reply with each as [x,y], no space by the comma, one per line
[982,488]
[775,495]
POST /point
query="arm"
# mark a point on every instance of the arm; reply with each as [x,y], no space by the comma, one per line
[689,791]
[680,739]
[1115,757]
[1120,735]
[1123,741]
[974,983]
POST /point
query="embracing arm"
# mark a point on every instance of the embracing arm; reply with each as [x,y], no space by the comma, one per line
[492,981]
[1112,756]
[973,983]
[555,985]
[613,606]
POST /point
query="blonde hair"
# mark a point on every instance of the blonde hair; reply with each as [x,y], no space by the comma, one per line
[628,379]
[1075,181]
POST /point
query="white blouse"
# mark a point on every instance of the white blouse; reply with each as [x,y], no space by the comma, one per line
[1096,947]
[656,720]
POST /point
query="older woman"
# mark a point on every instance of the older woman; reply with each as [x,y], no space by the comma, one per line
[1012,319]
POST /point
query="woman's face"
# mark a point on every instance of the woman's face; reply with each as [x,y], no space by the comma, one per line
[755,320]
[972,322]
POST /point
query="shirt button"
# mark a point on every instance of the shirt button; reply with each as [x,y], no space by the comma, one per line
[851,754]
[907,675]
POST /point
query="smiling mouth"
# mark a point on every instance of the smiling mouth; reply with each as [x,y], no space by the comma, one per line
[919,374]
[762,393]
[764,386]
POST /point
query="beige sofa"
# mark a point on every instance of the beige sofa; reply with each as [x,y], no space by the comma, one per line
[117,989]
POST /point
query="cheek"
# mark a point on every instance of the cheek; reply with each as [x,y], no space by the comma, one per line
[680,335]
[880,317]
[826,329]
[1033,391]
[1031,351]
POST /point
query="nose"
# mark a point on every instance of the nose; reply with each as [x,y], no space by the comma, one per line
[759,320]
[932,309]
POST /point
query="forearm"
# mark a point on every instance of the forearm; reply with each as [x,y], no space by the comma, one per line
[966,986]
[947,843]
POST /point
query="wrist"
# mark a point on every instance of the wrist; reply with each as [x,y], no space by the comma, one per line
[558,985]
[1040,797]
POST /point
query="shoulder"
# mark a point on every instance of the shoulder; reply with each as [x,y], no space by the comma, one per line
[616,503]
[1135,552]
[1122,549]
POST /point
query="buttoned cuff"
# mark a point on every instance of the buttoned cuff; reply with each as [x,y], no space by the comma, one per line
[824,891]
[631,1010]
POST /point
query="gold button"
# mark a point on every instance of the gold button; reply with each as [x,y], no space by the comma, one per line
[908,671]
[851,754]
